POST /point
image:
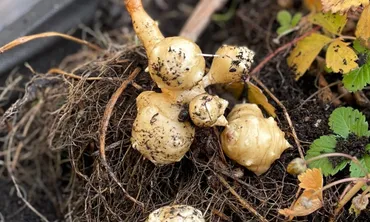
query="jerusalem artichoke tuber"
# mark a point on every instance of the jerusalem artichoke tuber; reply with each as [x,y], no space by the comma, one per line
[252,140]
[157,133]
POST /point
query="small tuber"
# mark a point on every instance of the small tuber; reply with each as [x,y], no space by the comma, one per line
[231,64]
[252,140]
[157,133]
[207,111]
[176,213]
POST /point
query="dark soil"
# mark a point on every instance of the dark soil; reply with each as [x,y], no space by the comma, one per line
[74,185]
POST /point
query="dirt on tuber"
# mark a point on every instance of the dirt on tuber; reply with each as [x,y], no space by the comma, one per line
[176,213]
[252,140]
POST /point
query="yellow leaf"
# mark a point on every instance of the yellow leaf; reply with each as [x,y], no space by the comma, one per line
[311,198]
[311,179]
[333,23]
[306,204]
[363,27]
[302,56]
[342,5]
[255,95]
[340,57]
[313,5]
[236,89]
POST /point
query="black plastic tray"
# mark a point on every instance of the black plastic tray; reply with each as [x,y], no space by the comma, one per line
[24,17]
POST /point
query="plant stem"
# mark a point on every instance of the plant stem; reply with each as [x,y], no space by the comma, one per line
[347,37]
[278,50]
[364,180]
[349,195]
[364,194]
[354,159]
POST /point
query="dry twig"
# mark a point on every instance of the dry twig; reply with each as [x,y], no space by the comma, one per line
[200,18]
[74,76]
[24,39]
[243,202]
[104,126]
[281,48]
[261,65]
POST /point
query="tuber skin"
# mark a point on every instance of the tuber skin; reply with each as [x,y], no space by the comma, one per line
[145,27]
[208,111]
[231,64]
[175,63]
[157,133]
[252,140]
[176,213]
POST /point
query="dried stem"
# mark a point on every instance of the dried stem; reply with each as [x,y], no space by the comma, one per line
[243,202]
[104,126]
[278,50]
[286,114]
[262,64]
[19,194]
[352,192]
[24,39]
[74,76]
[200,18]
[317,92]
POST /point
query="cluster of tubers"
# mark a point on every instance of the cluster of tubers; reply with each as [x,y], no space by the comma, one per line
[177,65]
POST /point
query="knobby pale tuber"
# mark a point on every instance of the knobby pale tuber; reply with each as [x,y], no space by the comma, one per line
[176,63]
[157,133]
[252,140]
[176,213]
[231,64]
[207,111]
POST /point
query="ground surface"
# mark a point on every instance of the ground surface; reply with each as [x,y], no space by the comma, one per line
[253,25]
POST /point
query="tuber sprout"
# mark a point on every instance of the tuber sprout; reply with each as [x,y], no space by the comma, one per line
[145,27]
[176,213]
[175,63]
[231,64]
[252,140]
[207,111]
[157,133]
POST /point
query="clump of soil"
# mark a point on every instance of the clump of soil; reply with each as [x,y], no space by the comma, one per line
[353,145]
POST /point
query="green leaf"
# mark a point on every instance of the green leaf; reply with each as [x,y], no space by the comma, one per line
[282,29]
[328,70]
[284,18]
[325,144]
[357,79]
[367,162]
[359,47]
[346,120]
[355,170]
[296,18]
[333,23]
